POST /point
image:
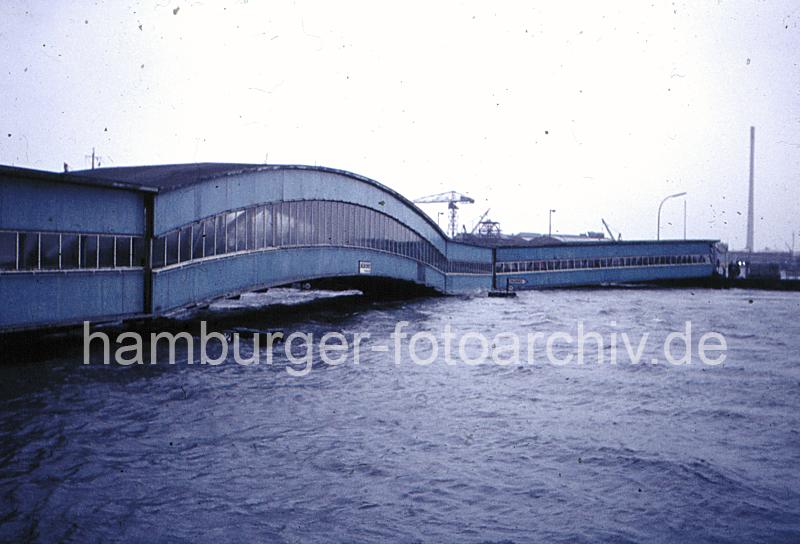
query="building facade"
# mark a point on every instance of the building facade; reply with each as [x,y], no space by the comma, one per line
[117,243]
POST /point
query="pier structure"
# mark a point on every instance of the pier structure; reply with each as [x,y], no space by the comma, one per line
[132,242]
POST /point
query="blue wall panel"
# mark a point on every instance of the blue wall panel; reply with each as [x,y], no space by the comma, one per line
[468,283]
[60,207]
[588,250]
[598,276]
[463,252]
[59,297]
[180,286]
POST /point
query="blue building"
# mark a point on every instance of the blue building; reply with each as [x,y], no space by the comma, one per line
[605,262]
[116,243]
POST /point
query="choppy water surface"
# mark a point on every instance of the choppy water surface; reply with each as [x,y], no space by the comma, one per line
[385,452]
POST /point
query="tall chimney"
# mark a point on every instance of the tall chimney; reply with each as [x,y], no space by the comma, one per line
[750,218]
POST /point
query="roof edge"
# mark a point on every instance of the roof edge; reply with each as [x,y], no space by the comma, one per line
[72,179]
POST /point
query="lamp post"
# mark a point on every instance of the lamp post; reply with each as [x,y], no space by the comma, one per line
[550,223]
[438,217]
[684,219]
[658,229]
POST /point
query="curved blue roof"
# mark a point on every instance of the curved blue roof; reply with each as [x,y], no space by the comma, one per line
[169,177]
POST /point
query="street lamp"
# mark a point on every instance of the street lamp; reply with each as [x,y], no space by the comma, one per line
[658,229]
[550,223]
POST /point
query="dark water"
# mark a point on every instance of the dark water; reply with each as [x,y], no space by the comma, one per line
[437,453]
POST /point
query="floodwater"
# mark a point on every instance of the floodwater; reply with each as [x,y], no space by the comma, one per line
[406,452]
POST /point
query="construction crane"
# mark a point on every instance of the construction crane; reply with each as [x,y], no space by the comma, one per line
[613,238]
[451,198]
[478,222]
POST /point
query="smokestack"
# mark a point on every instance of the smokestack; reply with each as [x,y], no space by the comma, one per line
[750,214]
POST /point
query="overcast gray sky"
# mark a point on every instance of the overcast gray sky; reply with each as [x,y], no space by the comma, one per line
[596,109]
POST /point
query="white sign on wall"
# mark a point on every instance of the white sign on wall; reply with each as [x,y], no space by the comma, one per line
[364,267]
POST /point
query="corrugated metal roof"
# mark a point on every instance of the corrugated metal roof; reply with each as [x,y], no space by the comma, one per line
[168,176]
[71,178]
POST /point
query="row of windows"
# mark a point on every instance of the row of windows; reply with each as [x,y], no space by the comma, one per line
[606,262]
[468,267]
[288,224]
[68,251]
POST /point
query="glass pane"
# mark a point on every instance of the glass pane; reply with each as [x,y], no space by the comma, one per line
[28,250]
[159,251]
[258,232]
[230,231]
[381,234]
[197,240]
[138,251]
[298,223]
[106,252]
[358,225]
[249,227]
[69,251]
[208,237]
[311,219]
[281,224]
[392,236]
[277,224]
[172,247]
[302,220]
[368,218]
[314,222]
[185,244]
[50,251]
[351,225]
[241,231]
[293,223]
[8,250]
[336,223]
[88,251]
[219,235]
[321,222]
[123,251]
[269,227]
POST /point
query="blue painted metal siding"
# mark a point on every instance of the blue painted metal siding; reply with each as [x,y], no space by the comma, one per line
[597,276]
[468,283]
[590,250]
[459,283]
[464,252]
[182,285]
[38,205]
[42,298]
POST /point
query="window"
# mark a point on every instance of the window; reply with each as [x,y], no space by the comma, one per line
[69,251]
[350,225]
[172,247]
[219,234]
[50,250]
[88,251]
[269,226]
[281,224]
[138,249]
[328,221]
[8,250]
[198,243]
[241,230]
[106,252]
[250,228]
[185,244]
[258,228]
[122,251]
